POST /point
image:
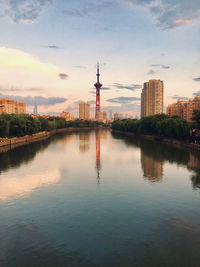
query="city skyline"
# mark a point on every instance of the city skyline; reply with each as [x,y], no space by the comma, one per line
[49,50]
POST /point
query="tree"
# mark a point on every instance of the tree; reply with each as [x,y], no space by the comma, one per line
[4,127]
[196,118]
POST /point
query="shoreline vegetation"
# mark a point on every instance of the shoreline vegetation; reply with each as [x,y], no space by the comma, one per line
[11,143]
[19,125]
[16,130]
[171,130]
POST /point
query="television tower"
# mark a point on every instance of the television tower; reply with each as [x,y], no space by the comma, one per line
[98,85]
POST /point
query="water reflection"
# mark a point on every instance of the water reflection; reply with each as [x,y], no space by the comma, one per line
[84,141]
[155,154]
[26,245]
[12,187]
[98,160]
[73,224]
[25,154]
[153,169]
[194,164]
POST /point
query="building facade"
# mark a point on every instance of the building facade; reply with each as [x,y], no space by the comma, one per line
[67,116]
[102,116]
[152,98]
[12,106]
[183,108]
[84,111]
[118,116]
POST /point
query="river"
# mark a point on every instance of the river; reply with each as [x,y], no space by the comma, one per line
[93,198]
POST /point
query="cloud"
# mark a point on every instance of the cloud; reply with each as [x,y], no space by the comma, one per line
[170,13]
[91,102]
[180,97]
[63,76]
[123,100]
[89,9]
[161,66]
[106,29]
[80,67]
[16,89]
[23,11]
[102,88]
[151,72]
[197,93]
[131,87]
[196,79]
[39,100]
[25,185]
[71,108]
[53,47]
[15,59]
[134,107]
[105,88]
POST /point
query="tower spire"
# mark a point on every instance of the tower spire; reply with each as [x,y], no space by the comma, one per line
[98,74]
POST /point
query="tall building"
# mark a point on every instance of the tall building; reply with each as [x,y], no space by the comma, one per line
[35,110]
[117,116]
[110,113]
[98,86]
[183,108]
[12,106]
[84,111]
[152,98]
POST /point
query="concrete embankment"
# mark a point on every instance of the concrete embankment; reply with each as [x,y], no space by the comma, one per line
[10,143]
[170,141]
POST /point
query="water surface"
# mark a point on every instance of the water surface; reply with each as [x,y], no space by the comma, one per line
[99,199]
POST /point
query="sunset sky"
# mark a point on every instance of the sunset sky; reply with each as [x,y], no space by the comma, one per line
[49,50]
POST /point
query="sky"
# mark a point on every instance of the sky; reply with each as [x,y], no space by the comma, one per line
[49,50]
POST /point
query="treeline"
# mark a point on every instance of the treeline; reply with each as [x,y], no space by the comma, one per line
[159,125]
[17,125]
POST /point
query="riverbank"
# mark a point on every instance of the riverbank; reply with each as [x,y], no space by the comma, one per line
[10,143]
[170,141]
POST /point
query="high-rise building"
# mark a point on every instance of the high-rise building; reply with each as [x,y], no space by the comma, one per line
[84,111]
[152,98]
[117,116]
[35,110]
[110,113]
[184,108]
[12,106]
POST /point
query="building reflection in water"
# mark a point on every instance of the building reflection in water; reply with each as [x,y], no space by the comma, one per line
[194,164]
[153,169]
[84,141]
[98,160]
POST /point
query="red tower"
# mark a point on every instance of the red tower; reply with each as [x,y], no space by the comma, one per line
[98,85]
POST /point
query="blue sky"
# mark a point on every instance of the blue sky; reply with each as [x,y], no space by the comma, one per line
[49,49]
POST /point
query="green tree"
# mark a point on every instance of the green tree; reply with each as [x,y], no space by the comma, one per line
[4,127]
[196,118]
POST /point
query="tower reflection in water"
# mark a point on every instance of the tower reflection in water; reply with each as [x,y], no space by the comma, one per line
[98,160]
